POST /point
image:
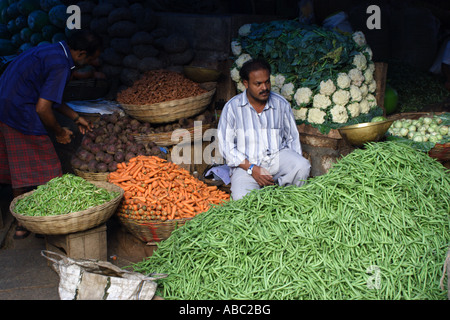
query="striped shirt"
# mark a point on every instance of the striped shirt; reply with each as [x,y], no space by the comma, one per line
[39,72]
[245,134]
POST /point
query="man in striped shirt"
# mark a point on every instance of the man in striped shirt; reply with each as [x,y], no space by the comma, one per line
[258,136]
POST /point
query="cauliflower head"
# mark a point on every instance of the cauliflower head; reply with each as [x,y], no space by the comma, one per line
[287,90]
[339,114]
[316,116]
[300,114]
[354,109]
[245,30]
[243,58]
[341,97]
[303,96]
[343,80]
[355,93]
[327,87]
[360,61]
[321,101]
[356,76]
[236,48]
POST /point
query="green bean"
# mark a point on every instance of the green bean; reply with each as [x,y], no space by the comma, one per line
[63,195]
[385,206]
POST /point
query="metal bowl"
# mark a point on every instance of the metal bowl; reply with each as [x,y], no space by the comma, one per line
[201,74]
[359,134]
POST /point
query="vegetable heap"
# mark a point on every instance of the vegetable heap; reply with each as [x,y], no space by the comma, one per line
[376,226]
[425,132]
[327,76]
[63,195]
[158,190]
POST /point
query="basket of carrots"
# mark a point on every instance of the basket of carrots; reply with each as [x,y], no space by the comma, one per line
[160,196]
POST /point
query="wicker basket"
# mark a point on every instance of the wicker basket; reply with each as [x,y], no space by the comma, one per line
[152,231]
[71,222]
[92,176]
[170,111]
[164,139]
[441,151]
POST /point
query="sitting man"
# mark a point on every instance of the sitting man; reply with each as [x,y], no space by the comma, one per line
[258,136]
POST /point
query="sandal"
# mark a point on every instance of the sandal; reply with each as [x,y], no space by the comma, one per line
[22,236]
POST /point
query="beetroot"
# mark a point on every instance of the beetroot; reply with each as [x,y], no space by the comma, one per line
[100,156]
[112,166]
[108,158]
[119,156]
[129,155]
[102,167]
[76,162]
[92,166]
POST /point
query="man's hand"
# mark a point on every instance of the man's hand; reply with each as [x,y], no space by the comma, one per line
[83,125]
[65,136]
[262,176]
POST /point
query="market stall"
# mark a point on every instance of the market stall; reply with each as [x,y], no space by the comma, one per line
[370,223]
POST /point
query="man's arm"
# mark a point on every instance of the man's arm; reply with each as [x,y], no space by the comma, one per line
[45,112]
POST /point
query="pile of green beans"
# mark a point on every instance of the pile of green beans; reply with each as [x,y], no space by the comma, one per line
[62,195]
[376,226]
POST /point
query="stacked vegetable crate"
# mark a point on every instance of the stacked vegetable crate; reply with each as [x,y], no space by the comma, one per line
[155,107]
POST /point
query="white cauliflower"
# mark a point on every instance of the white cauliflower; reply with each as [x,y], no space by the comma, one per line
[343,80]
[327,87]
[245,30]
[272,79]
[279,80]
[339,114]
[372,86]
[368,75]
[371,66]
[359,38]
[360,61]
[368,50]
[354,109]
[321,101]
[287,91]
[303,96]
[356,76]
[355,93]
[341,97]
[371,100]
[234,73]
[275,89]
[236,48]
[300,114]
[240,87]
[364,90]
[243,58]
[316,116]
[364,106]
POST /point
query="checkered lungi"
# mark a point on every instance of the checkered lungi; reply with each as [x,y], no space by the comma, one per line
[26,160]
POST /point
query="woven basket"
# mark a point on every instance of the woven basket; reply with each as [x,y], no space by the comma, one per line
[152,231]
[164,139]
[441,151]
[71,222]
[170,111]
[92,176]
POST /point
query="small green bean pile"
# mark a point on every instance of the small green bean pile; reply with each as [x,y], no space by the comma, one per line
[62,195]
[376,226]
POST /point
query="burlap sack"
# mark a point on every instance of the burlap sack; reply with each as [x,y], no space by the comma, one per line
[89,279]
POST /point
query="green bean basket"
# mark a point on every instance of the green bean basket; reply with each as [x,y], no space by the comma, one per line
[73,221]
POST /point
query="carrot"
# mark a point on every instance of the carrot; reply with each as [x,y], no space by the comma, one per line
[158,189]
